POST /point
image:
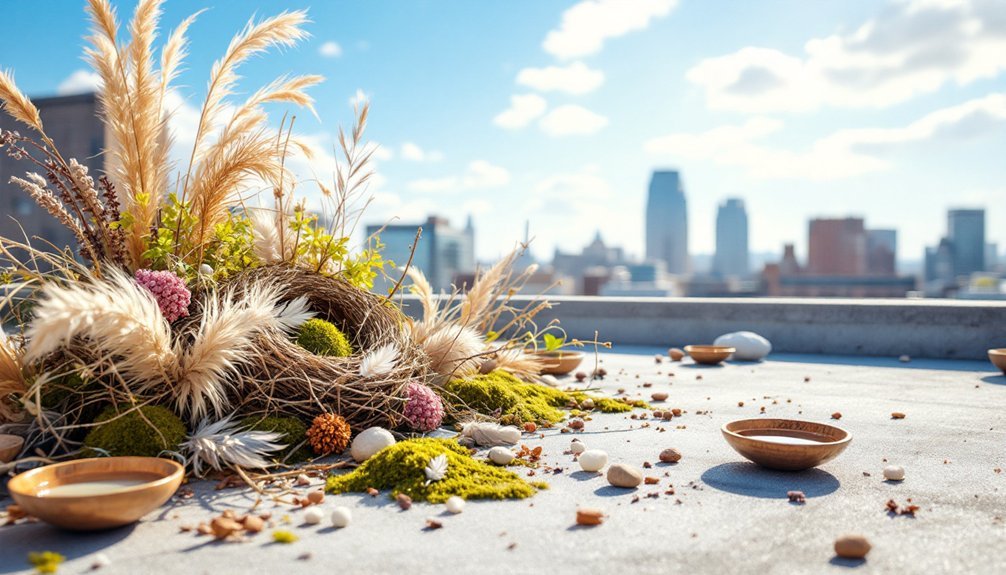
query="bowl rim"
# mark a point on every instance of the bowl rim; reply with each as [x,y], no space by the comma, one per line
[710,348]
[846,439]
[998,351]
[14,485]
[557,353]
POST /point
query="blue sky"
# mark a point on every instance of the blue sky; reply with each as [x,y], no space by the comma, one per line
[557,111]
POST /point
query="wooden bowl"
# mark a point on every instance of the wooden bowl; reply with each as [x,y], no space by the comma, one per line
[559,362]
[709,354]
[786,444]
[67,495]
[998,358]
[10,446]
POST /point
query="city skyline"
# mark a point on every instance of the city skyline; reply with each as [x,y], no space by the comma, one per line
[558,112]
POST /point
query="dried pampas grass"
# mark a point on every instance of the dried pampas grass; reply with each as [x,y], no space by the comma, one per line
[454,350]
[16,104]
[219,444]
[12,380]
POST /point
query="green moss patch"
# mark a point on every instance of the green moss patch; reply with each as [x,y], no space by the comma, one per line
[294,434]
[147,435]
[400,468]
[500,393]
[611,404]
[323,338]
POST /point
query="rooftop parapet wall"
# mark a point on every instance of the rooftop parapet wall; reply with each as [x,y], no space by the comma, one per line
[944,329]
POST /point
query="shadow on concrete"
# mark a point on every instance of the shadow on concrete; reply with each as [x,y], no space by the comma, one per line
[612,491]
[875,361]
[701,366]
[995,379]
[849,563]
[585,475]
[755,481]
[19,540]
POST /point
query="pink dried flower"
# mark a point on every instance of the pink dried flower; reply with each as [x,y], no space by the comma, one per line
[424,410]
[169,290]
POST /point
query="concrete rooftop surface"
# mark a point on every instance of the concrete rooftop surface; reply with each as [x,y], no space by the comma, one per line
[726,515]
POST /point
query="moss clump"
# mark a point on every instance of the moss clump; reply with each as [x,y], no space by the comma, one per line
[611,404]
[323,338]
[294,435]
[400,468]
[131,434]
[500,393]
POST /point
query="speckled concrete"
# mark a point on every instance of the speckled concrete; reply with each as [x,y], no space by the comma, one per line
[726,516]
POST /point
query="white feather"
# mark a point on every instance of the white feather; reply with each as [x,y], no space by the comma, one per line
[220,443]
[381,361]
[436,469]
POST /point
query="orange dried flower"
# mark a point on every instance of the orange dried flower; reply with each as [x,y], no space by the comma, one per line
[329,433]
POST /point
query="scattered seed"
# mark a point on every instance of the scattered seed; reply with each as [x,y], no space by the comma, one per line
[589,516]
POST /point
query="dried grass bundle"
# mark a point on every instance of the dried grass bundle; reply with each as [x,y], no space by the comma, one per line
[12,380]
[16,104]
[282,377]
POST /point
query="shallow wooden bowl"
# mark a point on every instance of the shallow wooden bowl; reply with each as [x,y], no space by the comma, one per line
[998,358]
[160,479]
[709,354]
[811,444]
[559,362]
[10,446]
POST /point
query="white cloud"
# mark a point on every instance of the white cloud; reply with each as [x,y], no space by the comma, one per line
[412,152]
[80,82]
[576,78]
[330,49]
[523,109]
[480,174]
[843,154]
[585,26]
[909,48]
[358,98]
[572,120]
[587,184]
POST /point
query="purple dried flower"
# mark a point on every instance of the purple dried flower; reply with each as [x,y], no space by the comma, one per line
[169,290]
[424,409]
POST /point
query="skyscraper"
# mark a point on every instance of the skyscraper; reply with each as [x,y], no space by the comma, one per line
[837,247]
[881,252]
[443,252]
[966,230]
[667,221]
[731,239]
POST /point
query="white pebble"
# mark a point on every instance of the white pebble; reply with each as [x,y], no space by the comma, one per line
[455,504]
[593,460]
[894,473]
[577,446]
[100,560]
[205,269]
[341,517]
[313,516]
[501,455]
[370,441]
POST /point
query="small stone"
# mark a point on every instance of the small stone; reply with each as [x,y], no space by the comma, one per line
[670,455]
[432,524]
[624,475]
[836,415]
[254,524]
[404,501]
[100,560]
[314,516]
[650,480]
[796,497]
[455,504]
[341,517]
[577,446]
[501,455]
[894,473]
[575,424]
[897,415]
[658,358]
[659,395]
[204,529]
[587,404]
[303,480]
[530,427]
[852,546]
[580,376]
[675,354]
[223,527]
[589,516]
[593,460]
[372,492]
[370,441]
[316,497]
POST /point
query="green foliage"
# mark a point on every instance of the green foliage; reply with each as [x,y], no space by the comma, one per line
[553,343]
[45,561]
[177,224]
[55,392]
[131,434]
[400,468]
[284,537]
[323,338]
[230,249]
[500,393]
[294,434]
[319,249]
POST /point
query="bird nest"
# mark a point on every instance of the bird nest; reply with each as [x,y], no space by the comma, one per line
[282,377]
